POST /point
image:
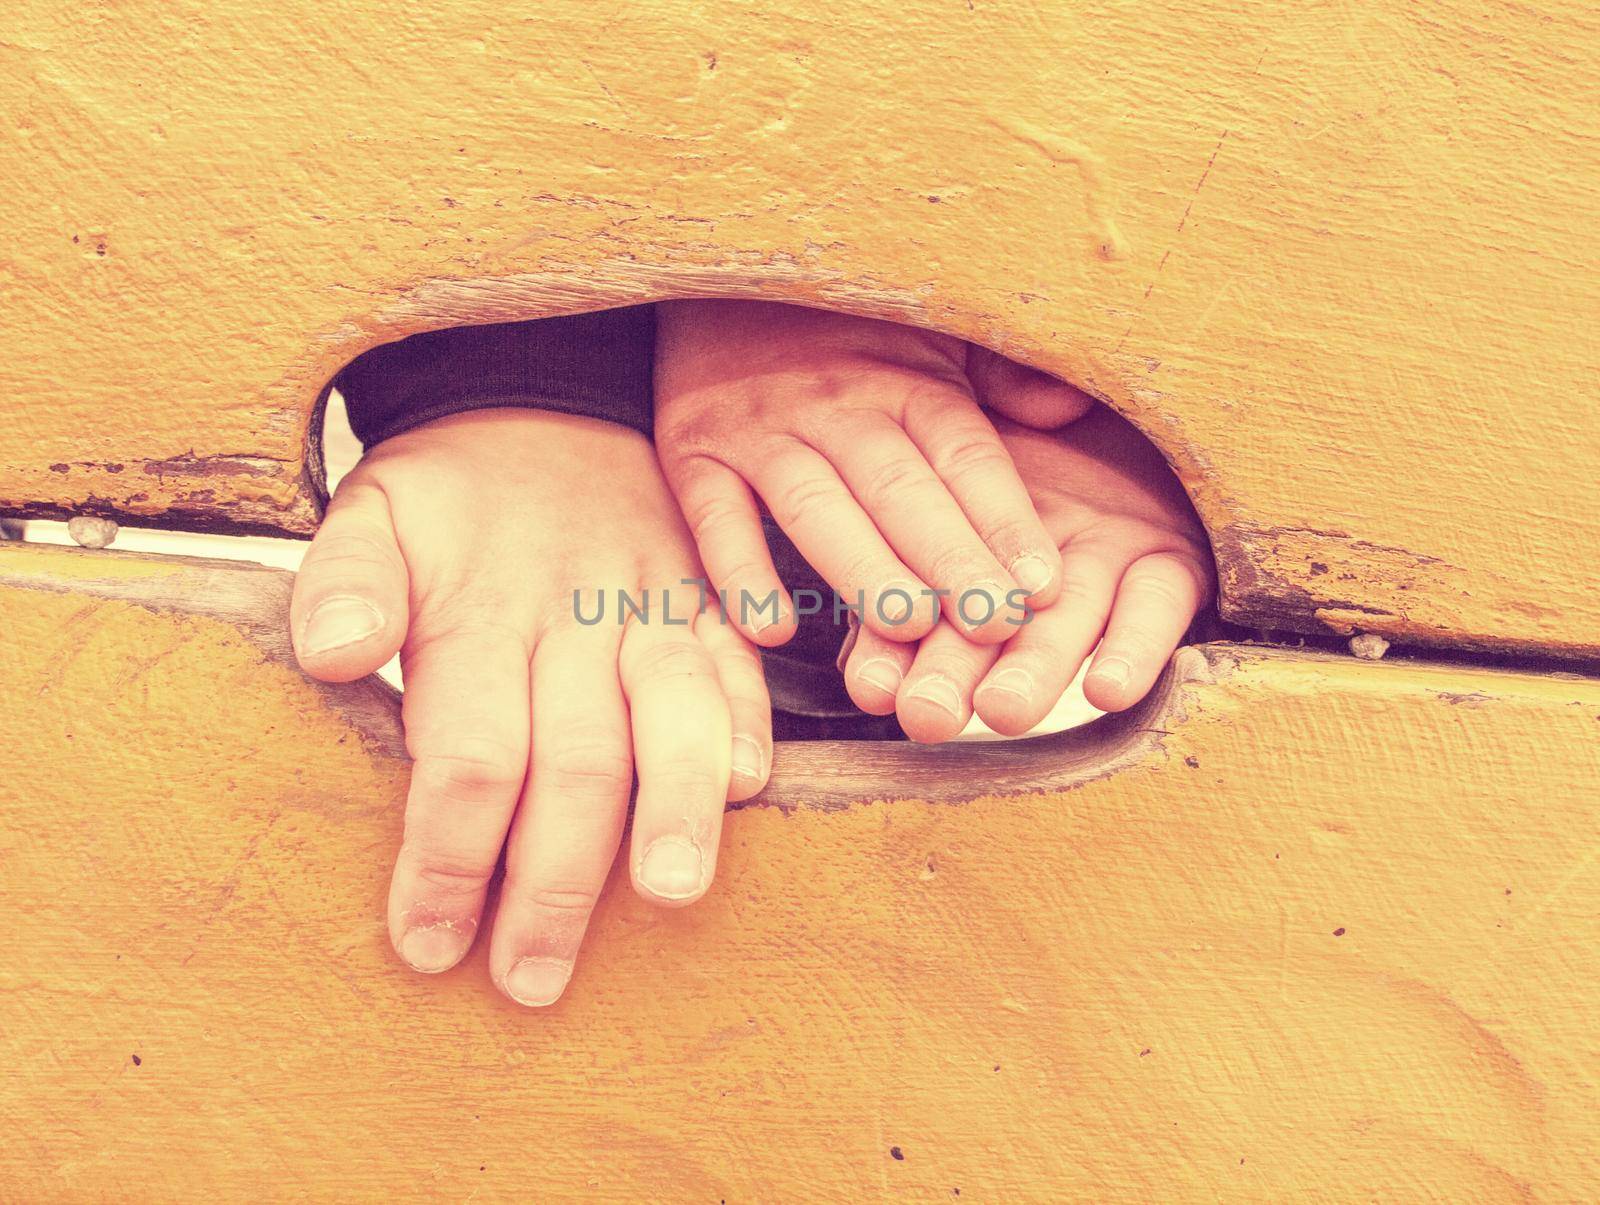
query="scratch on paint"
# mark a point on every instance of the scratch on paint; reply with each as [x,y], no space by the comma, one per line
[1167,254]
[1204,176]
[612,96]
[1572,876]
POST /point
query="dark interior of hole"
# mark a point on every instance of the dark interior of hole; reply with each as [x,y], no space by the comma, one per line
[810,702]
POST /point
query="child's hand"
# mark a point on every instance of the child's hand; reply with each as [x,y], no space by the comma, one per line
[460,544]
[1135,569]
[866,442]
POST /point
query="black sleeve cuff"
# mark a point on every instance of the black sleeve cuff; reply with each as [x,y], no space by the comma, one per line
[597,365]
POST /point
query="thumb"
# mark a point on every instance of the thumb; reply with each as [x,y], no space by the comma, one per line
[1024,395]
[348,614]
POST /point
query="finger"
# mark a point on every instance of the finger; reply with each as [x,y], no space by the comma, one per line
[570,818]
[1038,664]
[915,511]
[722,515]
[1024,395]
[682,748]
[830,529]
[874,671]
[935,701]
[466,718]
[1156,600]
[348,613]
[966,452]
[744,684]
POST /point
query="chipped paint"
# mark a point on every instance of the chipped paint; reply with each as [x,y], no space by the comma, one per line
[1312,354]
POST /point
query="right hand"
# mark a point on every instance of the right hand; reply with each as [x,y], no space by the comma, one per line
[867,443]
[460,544]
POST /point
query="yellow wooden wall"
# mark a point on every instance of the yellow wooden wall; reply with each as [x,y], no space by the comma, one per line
[1306,926]
[1302,926]
[1338,260]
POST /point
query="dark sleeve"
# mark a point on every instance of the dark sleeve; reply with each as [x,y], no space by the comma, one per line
[597,365]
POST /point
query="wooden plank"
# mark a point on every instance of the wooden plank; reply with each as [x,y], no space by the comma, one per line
[1338,261]
[1307,926]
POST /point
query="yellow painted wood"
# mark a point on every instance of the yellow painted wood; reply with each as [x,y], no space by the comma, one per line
[1307,927]
[1337,260]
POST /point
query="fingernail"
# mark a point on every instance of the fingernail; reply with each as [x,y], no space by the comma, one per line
[895,603]
[747,758]
[434,948]
[1113,670]
[671,868]
[1018,682]
[760,621]
[1031,572]
[538,982]
[880,672]
[974,615]
[940,693]
[338,621]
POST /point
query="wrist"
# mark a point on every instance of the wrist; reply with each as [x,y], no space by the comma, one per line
[597,364]
[549,426]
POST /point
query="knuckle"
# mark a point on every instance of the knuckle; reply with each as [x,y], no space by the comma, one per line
[440,877]
[1020,537]
[1158,589]
[586,764]
[970,453]
[711,513]
[686,780]
[803,391]
[477,771]
[866,569]
[352,549]
[675,660]
[804,502]
[746,685]
[444,623]
[935,397]
[894,481]
[684,773]
[958,564]
[685,432]
[562,897]
[824,391]
[744,574]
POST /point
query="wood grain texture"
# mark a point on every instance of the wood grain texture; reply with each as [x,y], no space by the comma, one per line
[1337,260]
[1325,930]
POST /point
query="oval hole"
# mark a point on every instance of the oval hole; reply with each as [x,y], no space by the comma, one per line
[335,446]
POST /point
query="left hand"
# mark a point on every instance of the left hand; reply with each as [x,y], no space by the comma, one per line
[1136,569]
[477,545]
